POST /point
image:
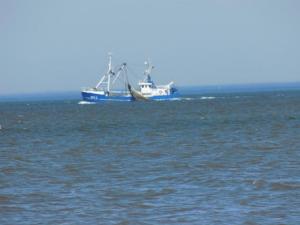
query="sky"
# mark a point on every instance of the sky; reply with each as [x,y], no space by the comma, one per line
[62,45]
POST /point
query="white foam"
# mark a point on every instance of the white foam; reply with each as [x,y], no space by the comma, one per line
[188,99]
[86,103]
[168,99]
[185,99]
[207,97]
[175,99]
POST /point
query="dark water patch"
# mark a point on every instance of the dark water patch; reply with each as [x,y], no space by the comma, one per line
[175,165]
[167,178]
[134,142]
[75,152]
[124,222]
[250,223]
[215,165]
[259,184]
[266,147]
[20,158]
[71,169]
[284,186]
[8,170]
[292,118]
[5,199]
[10,209]
[150,194]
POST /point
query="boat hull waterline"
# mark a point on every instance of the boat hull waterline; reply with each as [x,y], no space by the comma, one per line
[95,97]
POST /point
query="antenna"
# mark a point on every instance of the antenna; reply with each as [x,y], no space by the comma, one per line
[110,63]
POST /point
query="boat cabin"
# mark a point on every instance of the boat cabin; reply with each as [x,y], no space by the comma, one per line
[146,87]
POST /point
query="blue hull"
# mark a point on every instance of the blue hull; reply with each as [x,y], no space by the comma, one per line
[92,97]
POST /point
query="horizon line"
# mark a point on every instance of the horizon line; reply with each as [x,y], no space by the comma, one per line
[186,89]
[181,86]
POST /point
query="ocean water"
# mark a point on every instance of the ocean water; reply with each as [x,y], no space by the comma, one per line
[207,159]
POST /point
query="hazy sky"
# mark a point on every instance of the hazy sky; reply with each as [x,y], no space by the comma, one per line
[56,45]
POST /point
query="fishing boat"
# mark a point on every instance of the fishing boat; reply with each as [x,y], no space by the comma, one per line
[109,87]
[106,90]
[148,90]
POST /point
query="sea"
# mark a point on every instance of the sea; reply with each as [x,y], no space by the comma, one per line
[224,158]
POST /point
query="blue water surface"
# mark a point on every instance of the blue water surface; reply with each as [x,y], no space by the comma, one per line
[207,159]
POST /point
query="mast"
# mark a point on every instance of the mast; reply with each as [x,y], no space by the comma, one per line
[107,76]
[109,72]
[111,76]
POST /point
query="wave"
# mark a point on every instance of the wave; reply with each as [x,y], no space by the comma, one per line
[86,103]
[197,98]
[207,97]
